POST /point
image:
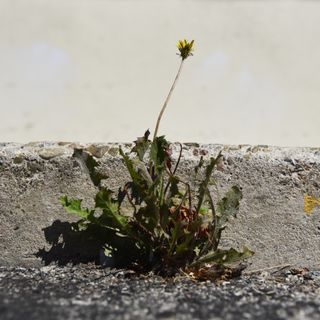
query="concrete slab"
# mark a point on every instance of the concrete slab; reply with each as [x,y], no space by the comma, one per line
[272,220]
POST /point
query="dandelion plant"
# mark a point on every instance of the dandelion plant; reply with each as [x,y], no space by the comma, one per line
[172,227]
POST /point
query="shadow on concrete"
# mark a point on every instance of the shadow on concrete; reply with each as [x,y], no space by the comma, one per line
[69,246]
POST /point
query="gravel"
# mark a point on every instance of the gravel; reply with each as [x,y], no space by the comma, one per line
[90,292]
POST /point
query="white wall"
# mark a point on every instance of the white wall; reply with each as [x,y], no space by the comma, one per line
[99,70]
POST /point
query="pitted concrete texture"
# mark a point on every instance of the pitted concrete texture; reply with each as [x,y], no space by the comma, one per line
[272,221]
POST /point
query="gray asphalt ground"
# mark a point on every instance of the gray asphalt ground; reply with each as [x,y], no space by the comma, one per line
[89,292]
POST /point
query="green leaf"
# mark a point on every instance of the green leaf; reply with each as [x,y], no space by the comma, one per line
[148,216]
[164,218]
[203,211]
[142,145]
[204,184]
[73,206]
[110,209]
[185,246]
[104,200]
[176,232]
[158,153]
[228,206]
[224,257]
[90,164]
[138,172]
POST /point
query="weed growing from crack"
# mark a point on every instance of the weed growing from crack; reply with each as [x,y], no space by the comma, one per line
[173,227]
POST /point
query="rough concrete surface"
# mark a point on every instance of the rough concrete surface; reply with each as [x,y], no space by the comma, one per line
[272,221]
[79,292]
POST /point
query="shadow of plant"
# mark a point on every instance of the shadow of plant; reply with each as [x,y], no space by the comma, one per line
[69,245]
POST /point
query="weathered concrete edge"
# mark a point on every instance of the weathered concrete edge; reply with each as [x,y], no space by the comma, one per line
[271,220]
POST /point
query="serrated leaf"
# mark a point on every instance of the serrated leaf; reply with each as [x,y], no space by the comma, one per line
[142,145]
[148,216]
[104,200]
[90,164]
[110,209]
[73,206]
[139,175]
[158,154]
[224,257]
[228,206]
[185,245]
[204,184]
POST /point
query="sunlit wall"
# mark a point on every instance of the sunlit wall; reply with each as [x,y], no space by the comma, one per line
[99,70]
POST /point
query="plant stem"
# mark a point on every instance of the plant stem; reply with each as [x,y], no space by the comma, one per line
[167,100]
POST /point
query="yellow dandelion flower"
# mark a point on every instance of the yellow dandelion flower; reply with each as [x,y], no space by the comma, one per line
[185,48]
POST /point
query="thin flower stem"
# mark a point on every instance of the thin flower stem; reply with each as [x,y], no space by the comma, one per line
[179,158]
[167,100]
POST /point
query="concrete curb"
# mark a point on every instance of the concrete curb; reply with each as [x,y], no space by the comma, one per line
[272,221]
